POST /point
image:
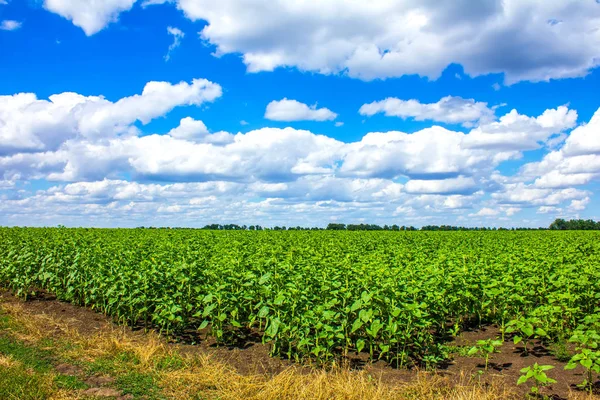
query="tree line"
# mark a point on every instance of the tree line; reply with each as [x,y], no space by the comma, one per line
[558,224]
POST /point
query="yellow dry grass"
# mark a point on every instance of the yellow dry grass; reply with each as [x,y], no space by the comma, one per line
[201,376]
[6,361]
[217,381]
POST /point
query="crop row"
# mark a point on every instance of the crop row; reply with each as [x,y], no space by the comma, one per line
[395,295]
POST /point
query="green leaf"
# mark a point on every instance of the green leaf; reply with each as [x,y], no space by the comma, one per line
[360,345]
[356,305]
[528,330]
[473,350]
[570,365]
[356,325]
[517,339]
[522,379]
[541,332]
[273,328]
[263,312]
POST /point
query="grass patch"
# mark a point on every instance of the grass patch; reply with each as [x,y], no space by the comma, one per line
[20,383]
[30,356]
[69,382]
[138,385]
[112,364]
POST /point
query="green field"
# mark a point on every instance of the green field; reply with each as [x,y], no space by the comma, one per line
[397,296]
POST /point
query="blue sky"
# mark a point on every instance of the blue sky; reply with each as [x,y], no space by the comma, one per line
[189,112]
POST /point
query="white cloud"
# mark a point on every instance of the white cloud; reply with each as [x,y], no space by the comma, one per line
[195,131]
[584,139]
[431,153]
[433,175]
[177,36]
[486,212]
[30,124]
[517,132]
[92,17]
[576,163]
[292,110]
[382,39]
[529,195]
[510,211]
[339,123]
[10,25]
[579,205]
[147,3]
[453,110]
[460,184]
[548,210]
[189,128]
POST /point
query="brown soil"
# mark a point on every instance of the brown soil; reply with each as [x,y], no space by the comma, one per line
[252,357]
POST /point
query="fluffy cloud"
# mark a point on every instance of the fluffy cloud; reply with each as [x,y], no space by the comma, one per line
[189,128]
[383,39]
[10,25]
[579,205]
[453,110]
[30,124]
[292,110]
[92,17]
[431,153]
[486,212]
[442,186]
[576,163]
[516,132]
[584,139]
[103,166]
[528,195]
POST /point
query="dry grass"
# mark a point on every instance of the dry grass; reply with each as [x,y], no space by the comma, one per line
[201,376]
[7,361]
[217,381]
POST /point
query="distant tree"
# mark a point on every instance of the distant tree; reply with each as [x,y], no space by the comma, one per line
[336,227]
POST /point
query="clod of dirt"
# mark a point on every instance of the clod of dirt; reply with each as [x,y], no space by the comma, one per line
[68,369]
[97,381]
[102,392]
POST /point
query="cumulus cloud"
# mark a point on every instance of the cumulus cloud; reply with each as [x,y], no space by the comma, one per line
[292,110]
[576,163]
[460,184]
[10,25]
[177,36]
[486,212]
[102,165]
[189,128]
[431,153]
[579,205]
[31,124]
[519,132]
[383,39]
[195,131]
[92,17]
[449,109]
[584,139]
